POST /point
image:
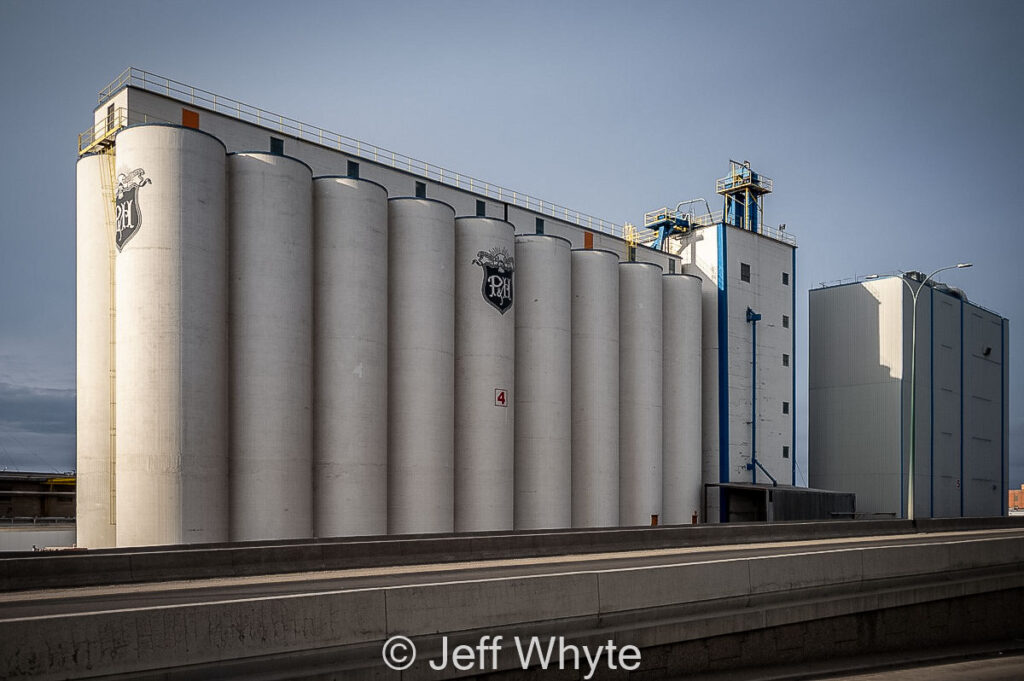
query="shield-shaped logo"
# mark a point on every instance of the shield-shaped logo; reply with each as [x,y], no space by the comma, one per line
[127,214]
[498,265]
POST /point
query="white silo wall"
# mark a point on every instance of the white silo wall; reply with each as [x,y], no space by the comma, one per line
[640,393]
[94,351]
[681,426]
[350,417]
[270,228]
[421,366]
[595,388]
[171,278]
[484,373]
[543,396]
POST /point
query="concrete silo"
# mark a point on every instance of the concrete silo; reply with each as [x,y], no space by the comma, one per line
[543,396]
[595,388]
[640,392]
[484,373]
[421,365]
[350,405]
[681,426]
[95,352]
[270,206]
[171,335]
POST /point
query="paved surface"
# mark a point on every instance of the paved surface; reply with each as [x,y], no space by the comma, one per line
[1002,668]
[108,598]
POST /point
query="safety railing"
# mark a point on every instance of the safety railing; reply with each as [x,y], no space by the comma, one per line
[704,220]
[101,134]
[137,78]
[742,179]
[35,520]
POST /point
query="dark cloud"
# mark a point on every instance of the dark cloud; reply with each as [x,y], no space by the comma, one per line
[24,409]
[37,428]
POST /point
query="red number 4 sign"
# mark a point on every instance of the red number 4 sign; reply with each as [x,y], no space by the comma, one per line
[500,397]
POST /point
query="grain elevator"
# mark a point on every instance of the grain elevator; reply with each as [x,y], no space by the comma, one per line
[284,333]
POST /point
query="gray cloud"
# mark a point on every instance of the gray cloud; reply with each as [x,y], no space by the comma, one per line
[36,410]
[37,428]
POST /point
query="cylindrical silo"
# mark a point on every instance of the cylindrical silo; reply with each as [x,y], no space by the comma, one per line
[350,405]
[640,396]
[681,425]
[171,278]
[270,228]
[543,397]
[94,498]
[485,332]
[595,388]
[421,365]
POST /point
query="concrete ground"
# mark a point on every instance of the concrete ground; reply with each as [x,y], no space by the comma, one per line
[1000,661]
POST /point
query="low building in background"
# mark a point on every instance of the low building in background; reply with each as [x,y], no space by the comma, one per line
[35,497]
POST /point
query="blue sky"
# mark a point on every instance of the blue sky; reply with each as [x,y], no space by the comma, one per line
[892,130]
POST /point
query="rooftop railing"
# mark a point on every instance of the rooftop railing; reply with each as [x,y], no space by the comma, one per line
[137,78]
[144,80]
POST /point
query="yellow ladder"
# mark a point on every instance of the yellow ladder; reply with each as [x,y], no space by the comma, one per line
[108,180]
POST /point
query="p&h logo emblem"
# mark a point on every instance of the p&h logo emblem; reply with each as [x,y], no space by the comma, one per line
[498,266]
[127,214]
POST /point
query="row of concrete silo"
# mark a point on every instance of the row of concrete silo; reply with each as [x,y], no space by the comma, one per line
[300,356]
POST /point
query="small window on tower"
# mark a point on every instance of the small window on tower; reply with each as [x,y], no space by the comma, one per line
[744,272]
[785,278]
[785,407]
[785,451]
[277,146]
[421,190]
[353,169]
[540,225]
[785,360]
[785,321]
[481,209]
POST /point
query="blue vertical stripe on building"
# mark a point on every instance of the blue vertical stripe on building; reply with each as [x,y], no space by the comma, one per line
[723,368]
[1002,417]
[903,401]
[963,483]
[792,368]
[931,402]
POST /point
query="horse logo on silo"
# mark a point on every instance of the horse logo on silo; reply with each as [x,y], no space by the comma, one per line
[128,215]
[498,266]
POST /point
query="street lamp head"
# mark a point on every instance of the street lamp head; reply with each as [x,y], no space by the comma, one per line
[965,264]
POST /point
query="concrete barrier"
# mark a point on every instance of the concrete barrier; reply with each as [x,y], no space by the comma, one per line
[651,604]
[124,566]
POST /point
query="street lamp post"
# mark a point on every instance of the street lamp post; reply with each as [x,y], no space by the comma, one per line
[913,381]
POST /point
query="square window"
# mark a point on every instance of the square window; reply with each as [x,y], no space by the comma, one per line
[277,146]
[421,190]
[785,278]
[481,209]
[785,407]
[785,360]
[353,169]
[785,451]
[744,272]
[540,225]
[785,321]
